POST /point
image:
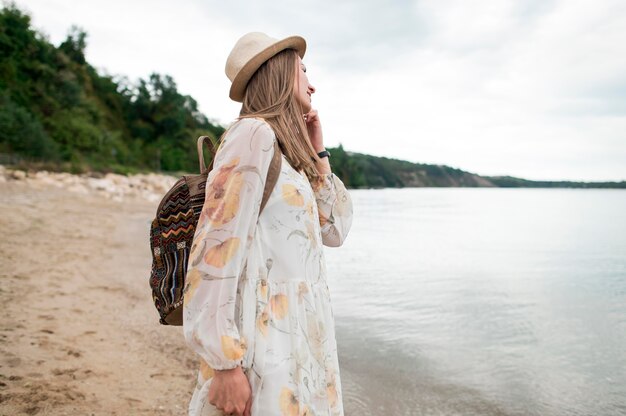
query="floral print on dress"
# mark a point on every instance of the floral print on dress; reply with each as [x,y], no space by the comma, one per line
[256,292]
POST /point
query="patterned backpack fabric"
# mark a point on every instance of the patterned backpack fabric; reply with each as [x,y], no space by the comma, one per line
[172,232]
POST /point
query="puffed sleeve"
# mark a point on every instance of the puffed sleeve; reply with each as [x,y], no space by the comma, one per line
[221,242]
[334,207]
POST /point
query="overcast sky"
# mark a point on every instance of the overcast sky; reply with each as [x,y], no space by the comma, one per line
[534,89]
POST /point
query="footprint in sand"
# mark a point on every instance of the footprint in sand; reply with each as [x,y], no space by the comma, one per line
[131,400]
[65,372]
[74,395]
[73,373]
[43,341]
[107,288]
[14,362]
[73,352]
[21,277]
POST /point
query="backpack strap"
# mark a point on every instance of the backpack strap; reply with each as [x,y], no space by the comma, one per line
[272,173]
[274,170]
[209,142]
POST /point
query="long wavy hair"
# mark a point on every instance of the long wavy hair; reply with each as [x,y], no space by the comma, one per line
[270,95]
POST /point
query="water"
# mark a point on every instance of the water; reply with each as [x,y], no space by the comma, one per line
[483,301]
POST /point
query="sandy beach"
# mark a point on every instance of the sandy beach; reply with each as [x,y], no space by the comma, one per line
[79,333]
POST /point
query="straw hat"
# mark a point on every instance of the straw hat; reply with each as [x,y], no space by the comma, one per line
[250,52]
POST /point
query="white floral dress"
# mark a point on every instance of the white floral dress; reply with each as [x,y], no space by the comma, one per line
[256,292]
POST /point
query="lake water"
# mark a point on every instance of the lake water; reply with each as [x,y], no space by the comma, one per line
[478,301]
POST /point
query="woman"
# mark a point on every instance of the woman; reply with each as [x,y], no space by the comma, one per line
[256,303]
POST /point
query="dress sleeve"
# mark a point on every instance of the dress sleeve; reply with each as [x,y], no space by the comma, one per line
[334,207]
[221,242]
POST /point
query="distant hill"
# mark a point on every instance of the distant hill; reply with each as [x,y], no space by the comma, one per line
[511,182]
[365,171]
[57,112]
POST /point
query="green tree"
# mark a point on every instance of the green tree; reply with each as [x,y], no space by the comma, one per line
[75,44]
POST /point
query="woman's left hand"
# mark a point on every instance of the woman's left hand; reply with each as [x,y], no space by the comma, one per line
[314,128]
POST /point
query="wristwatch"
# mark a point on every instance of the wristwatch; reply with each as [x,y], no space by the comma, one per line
[323,153]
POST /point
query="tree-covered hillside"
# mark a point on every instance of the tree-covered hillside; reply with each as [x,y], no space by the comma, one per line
[56,107]
[366,171]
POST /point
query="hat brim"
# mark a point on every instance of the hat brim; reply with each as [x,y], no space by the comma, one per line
[238,87]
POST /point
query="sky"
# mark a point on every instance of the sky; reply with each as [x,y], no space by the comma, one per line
[529,88]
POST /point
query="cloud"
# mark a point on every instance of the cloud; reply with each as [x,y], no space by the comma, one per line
[345,34]
[494,91]
[534,89]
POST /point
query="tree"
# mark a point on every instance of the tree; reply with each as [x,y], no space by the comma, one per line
[74,45]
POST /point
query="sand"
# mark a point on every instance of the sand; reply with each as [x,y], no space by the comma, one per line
[79,333]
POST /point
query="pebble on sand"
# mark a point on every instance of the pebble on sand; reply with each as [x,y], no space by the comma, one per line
[113,186]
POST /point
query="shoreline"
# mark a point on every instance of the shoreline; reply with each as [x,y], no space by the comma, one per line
[150,187]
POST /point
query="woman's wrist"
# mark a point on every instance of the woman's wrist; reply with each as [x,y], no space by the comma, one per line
[323,153]
[323,166]
[227,370]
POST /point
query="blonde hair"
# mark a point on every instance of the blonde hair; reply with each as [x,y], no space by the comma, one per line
[270,95]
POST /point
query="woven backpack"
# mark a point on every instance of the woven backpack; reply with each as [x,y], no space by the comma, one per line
[172,232]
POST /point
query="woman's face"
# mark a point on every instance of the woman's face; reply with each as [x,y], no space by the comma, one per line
[303,89]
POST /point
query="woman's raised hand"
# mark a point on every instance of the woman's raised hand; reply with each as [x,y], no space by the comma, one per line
[314,128]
